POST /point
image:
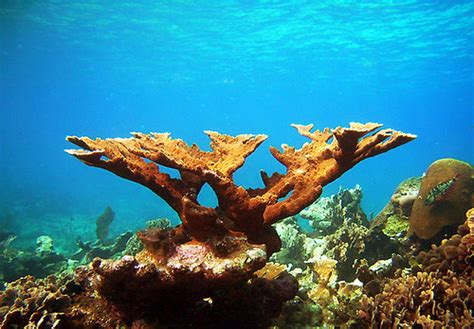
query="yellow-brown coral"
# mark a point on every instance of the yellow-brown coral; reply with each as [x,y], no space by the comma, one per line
[470,220]
[270,271]
[425,299]
[440,295]
[339,301]
[325,270]
[26,303]
[240,210]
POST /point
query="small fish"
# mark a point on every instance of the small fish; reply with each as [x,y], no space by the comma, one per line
[6,238]
[440,192]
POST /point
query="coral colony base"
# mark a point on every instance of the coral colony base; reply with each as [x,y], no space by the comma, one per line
[247,263]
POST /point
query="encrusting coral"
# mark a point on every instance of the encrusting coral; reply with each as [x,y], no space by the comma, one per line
[71,302]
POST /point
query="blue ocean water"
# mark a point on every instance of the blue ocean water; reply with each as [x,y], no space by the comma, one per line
[103,69]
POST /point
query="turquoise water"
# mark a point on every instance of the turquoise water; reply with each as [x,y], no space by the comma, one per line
[103,69]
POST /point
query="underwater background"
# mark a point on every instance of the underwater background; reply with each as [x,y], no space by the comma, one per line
[104,69]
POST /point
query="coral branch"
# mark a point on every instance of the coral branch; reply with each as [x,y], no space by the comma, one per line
[318,163]
[249,211]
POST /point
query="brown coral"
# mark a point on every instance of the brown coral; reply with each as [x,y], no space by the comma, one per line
[425,299]
[74,303]
[439,295]
[240,210]
[339,301]
[352,242]
[270,271]
[27,302]
[428,219]
[455,254]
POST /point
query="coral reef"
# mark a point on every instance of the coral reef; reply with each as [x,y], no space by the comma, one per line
[72,302]
[34,303]
[352,242]
[446,193]
[394,218]
[41,263]
[328,213]
[134,245]
[100,248]
[298,246]
[103,222]
[220,248]
[322,300]
[436,294]
[352,237]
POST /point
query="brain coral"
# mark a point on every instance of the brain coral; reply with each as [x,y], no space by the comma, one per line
[429,218]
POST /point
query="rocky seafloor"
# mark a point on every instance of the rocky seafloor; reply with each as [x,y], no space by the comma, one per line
[409,267]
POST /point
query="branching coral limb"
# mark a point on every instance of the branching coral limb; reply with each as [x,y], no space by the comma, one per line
[249,211]
[318,163]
